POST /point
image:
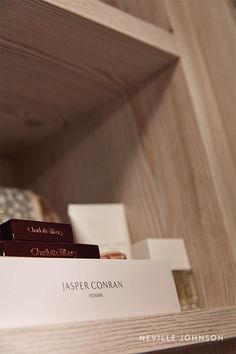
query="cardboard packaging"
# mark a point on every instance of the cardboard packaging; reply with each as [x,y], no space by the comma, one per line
[102,224]
[173,251]
[48,249]
[51,291]
[15,229]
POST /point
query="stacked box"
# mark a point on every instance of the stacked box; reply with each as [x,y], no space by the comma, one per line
[27,238]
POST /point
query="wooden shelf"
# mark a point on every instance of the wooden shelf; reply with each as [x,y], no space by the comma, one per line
[158,152]
[63,59]
[120,336]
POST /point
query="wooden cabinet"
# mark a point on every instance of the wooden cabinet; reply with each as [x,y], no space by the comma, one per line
[131,103]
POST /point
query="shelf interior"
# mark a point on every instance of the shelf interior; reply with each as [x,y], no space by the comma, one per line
[62,60]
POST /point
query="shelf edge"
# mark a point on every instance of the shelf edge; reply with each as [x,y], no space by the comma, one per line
[121,335]
[120,22]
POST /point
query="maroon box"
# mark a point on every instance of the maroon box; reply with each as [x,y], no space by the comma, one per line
[15,229]
[48,249]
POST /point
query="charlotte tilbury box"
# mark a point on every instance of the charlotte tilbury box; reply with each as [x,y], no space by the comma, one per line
[48,249]
[51,291]
[15,229]
[102,224]
[174,251]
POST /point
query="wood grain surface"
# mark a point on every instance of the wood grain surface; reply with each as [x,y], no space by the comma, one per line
[206,38]
[6,173]
[62,59]
[164,148]
[122,336]
[225,347]
[153,11]
[145,151]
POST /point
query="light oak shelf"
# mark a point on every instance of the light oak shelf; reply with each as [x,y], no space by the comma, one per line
[63,59]
[120,335]
[165,151]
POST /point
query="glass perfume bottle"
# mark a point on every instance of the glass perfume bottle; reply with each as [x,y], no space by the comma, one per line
[186,289]
[174,251]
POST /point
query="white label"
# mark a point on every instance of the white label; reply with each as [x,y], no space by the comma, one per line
[49,291]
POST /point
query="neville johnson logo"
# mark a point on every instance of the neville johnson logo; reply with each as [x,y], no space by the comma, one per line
[96,285]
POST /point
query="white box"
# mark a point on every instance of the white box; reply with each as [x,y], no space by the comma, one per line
[101,224]
[49,291]
[172,250]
